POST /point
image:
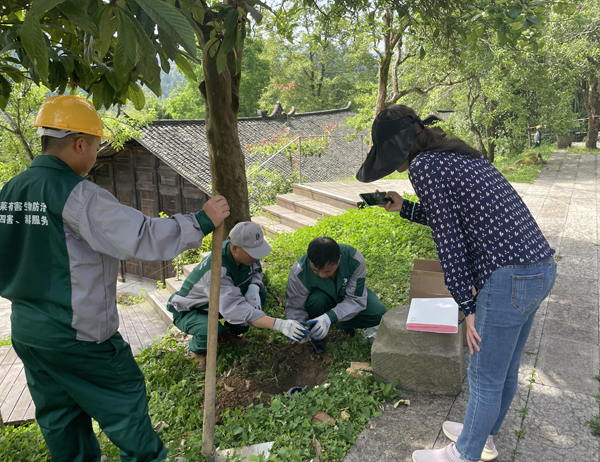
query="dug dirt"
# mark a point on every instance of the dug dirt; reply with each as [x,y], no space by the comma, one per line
[290,365]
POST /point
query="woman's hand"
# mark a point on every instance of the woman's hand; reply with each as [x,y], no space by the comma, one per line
[395,206]
[472,335]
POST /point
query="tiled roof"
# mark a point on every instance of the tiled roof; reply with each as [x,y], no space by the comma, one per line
[181,144]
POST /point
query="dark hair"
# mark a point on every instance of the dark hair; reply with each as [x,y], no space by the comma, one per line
[322,251]
[51,143]
[428,139]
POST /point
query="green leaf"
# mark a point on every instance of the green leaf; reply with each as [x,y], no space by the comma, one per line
[108,27]
[366,412]
[254,13]
[185,67]
[209,49]
[34,42]
[198,13]
[502,40]
[126,50]
[136,95]
[422,53]
[513,12]
[5,89]
[67,63]
[230,31]
[172,20]
[517,25]
[533,20]
[79,17]
[39,7]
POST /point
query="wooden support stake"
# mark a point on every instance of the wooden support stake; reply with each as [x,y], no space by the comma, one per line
[210,384]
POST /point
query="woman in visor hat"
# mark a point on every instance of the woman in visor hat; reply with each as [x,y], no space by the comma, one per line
[486,238]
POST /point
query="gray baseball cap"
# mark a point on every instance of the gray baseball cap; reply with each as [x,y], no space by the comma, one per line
[249,236]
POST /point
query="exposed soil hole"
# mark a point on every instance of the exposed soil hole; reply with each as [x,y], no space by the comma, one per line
[289,366]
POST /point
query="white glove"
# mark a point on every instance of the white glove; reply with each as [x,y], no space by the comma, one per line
[291,329]
[252,296]
[321,327]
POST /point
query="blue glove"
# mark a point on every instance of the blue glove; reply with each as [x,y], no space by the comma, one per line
[321,327]
[293,330]
[252,296]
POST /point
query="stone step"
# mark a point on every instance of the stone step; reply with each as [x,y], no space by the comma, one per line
[307,206]
[187,269]
[287,217]
[158,299]
[174,284]
[272,226]
[325,197]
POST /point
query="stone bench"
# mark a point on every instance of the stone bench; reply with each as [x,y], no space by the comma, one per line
[422,361]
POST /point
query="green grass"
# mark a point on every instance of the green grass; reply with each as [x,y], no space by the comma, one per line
[5,341]
[522,173]
[582,150]
[176,389]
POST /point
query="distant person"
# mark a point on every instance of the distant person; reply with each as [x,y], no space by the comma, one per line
[327,286]
[485,237]
[242,294]
[537,137]
[62,238]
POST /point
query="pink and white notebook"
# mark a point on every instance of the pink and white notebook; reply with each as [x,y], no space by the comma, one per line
[433,315]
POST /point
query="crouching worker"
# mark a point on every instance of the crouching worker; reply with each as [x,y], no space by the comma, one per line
[327,286]
[241,298]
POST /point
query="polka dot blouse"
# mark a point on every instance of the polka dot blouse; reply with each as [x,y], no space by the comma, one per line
[477,219]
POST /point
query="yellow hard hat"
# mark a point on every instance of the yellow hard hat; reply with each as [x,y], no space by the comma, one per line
[538,126]
[69,113]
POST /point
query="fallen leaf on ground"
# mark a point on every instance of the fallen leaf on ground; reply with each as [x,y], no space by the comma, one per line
[159,426]
[344,415]
[402,401]
[373,426]
[228,388]
[322,417]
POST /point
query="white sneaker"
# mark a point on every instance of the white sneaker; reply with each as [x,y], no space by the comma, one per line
[447,454]
[452,430]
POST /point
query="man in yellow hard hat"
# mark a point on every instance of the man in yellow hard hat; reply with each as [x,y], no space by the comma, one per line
[62,238]
[537,137]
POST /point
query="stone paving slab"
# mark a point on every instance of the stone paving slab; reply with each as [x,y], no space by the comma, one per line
[555,427]
[398,432]
[569,364]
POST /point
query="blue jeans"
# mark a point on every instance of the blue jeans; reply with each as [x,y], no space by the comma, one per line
[506,306]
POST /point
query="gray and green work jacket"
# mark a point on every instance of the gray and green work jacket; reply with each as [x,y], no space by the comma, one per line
[62,238]
[195,291]
[348,289]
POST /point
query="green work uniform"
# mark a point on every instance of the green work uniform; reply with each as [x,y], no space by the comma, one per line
[189,304]
[346,300]
[62,238]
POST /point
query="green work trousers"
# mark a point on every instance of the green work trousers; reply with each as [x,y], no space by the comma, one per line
[319,302]
[74,384]
[195,322]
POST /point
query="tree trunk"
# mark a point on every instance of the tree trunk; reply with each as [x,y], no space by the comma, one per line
[227,163]
[478,138]
[385,59]
[591,101]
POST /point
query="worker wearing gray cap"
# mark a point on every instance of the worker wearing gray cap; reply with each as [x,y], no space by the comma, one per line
[241,298]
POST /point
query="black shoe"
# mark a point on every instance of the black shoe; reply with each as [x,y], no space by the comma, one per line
[351,331]
[319,346]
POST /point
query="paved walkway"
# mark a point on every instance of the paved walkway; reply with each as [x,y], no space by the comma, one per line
[561,356]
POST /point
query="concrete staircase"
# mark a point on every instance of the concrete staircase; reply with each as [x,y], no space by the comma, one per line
[301,208]
[158,299]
